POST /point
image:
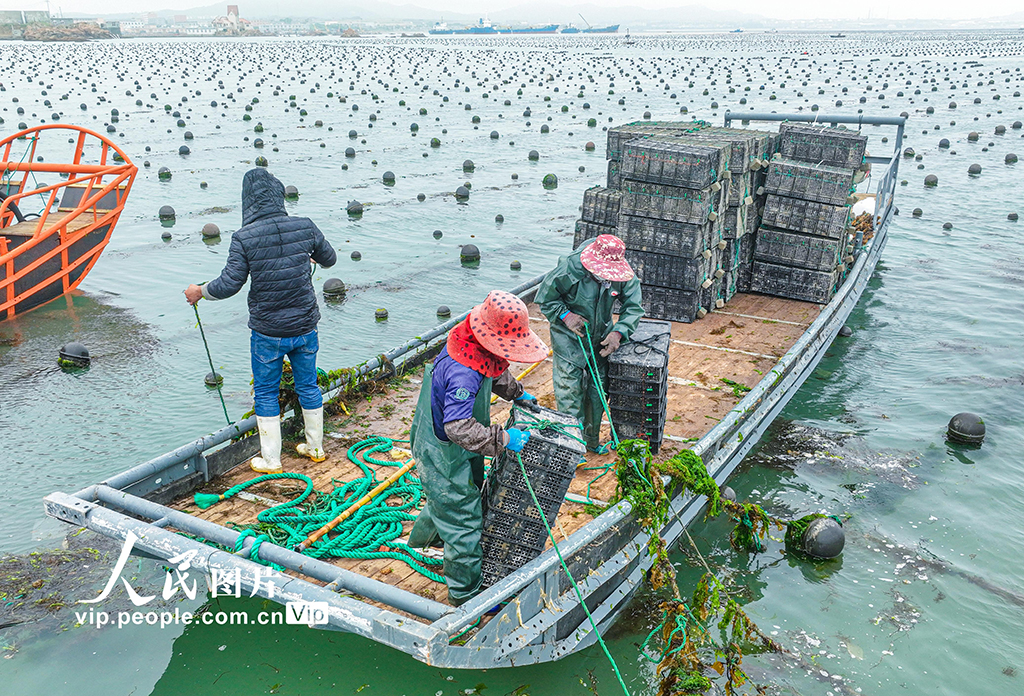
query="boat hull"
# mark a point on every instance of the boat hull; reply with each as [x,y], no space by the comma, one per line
[50,252]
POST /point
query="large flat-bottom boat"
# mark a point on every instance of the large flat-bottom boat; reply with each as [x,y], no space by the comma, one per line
[768,344]
[51,236]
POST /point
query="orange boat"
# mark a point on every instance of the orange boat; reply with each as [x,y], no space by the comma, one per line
[52,235]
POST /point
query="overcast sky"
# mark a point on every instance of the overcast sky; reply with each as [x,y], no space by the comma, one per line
[786,9]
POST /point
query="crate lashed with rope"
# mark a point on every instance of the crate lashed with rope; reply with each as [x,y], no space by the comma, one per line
[795,283]
[833,147]
[513,531]
[667,236]
[809,182]
[800,250]
[638,383]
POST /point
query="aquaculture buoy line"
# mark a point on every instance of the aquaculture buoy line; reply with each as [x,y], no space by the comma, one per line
[213,379]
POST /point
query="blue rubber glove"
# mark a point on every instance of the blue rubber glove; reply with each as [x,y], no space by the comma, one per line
[527,400]
[517,439]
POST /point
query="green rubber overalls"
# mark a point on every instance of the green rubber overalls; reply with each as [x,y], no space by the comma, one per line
[451,478]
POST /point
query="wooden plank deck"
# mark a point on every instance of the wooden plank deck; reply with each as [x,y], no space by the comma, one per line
[740,343]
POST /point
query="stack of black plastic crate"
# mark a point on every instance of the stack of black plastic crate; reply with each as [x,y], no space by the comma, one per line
[803,245]
[513,530]
[638,383]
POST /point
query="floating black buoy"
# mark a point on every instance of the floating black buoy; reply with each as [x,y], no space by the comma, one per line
[931,181]
[350,152]
[211,230]
[381,314]
[164,174]
[499,218]
[468,166]
[354,208]
[420,197]
[355,255]
[469,254]
[74,354]
[917,212]
[944,144]
[438,234]
[823,538]
[845,331]
[1010,158]
[443,311]
[1012,217]
[334,288]
[728,493]
[494,135]
[389,177]
[589,147]
[967,428]
[947,225]
[462,193]
[291,193]
[261,161]
[166,212]
[974,169]
[515,266]
[165,235]
[550,181]
[213,379]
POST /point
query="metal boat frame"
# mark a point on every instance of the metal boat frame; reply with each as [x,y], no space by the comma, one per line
[543,620]
[40,261]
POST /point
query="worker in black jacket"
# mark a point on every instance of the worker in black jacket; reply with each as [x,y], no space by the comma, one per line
[275,249]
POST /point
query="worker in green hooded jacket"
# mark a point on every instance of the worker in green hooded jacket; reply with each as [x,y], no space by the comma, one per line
[577,298]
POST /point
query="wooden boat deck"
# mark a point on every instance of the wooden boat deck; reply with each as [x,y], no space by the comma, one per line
[740,343]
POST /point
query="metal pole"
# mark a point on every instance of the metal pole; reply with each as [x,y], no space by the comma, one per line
[314,568]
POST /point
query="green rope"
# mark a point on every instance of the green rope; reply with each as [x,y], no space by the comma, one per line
[202,333]
[372,532]
[568,574]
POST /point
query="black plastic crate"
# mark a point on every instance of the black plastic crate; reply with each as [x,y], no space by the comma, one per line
[671,271]
[633,431]
[794,249]
[794,283]
[644,357]
[809,217]
[676,161]
[620,135]
[614,177]
[830,146]
[672,304]
[589,230]
[737,252]
[513,531]
[667,237]
[653,401]
[740,220]
[665,202]
[809,182]
[747,148]
[601,205]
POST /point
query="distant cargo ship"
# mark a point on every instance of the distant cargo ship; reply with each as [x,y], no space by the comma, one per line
[484,27]
[571,29]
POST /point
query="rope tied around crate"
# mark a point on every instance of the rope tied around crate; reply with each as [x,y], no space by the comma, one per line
[371,532]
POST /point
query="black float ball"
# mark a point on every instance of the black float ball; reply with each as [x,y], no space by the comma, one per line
[183,150]
[515,266]
[974,169]
[967,428]
[420,197]
[462,193]
[213,379]
[823,538]
[533,156]
[74,354]
[334,288]
[499,218]
[166,212]
[438,234]
[381,314]
[291,193]
[165,235]
[468,166]
[389,177]
[469,254]
[845,331]
[728,493]
[355,256]
[354,208]
[210,230]
[443,311]
[550,181]
[931,181]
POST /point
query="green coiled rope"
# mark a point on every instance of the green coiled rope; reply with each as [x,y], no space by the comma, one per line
[372,532]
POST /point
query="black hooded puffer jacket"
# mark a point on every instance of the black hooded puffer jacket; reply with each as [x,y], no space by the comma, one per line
[274,249]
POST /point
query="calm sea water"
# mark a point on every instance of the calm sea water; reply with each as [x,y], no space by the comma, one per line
[938,331]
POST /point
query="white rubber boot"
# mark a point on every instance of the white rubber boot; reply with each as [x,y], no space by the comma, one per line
[269,461]
[313,423]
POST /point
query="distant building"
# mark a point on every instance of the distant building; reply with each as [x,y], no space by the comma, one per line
[132,26]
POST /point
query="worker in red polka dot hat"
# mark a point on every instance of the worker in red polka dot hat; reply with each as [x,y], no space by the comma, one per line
[577,297]
[452,432]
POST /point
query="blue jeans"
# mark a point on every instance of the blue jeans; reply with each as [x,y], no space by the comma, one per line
[267,362]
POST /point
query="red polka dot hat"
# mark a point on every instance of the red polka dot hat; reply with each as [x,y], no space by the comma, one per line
[501,324]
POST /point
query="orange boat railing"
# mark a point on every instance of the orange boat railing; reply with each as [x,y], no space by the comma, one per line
[74,224]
